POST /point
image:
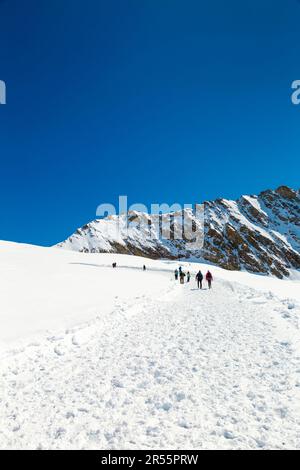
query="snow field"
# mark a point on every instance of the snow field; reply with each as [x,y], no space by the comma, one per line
[152,365]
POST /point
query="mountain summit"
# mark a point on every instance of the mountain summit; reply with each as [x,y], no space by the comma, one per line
[260,234]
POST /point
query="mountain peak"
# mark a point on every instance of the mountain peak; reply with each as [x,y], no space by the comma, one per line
[286,192]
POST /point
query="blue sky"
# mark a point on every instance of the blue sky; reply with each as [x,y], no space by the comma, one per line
[164,101]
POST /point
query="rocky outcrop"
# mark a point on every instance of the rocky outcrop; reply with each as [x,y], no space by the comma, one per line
[260,234]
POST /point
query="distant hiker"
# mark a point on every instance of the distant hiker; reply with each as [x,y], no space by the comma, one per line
[182,276]
[176,274]
[144,268]
[199,279]
[209,278]
[188,276]
[180,270]
[114,265]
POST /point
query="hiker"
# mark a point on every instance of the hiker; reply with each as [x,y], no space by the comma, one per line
[188,276]
[182,275]
[114,265]
[176,274]
[180,270]
[209,278]
[199,279]
[144,268]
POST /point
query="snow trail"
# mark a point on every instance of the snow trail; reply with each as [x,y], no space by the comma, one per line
[186,369]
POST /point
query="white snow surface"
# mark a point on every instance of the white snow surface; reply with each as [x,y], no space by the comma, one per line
[101,358]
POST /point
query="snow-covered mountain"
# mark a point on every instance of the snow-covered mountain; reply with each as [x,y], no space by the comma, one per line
[258,233]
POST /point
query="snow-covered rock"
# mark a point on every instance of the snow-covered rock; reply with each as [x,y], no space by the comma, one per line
[260,234]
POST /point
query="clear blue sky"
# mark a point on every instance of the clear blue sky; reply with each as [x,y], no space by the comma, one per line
[162,100]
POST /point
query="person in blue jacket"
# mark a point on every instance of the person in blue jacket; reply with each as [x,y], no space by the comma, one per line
[199,279]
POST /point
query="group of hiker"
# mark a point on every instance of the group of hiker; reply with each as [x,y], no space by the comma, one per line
[180,274]
[208,278]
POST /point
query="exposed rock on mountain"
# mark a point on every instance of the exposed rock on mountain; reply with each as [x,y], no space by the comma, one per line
[260,233]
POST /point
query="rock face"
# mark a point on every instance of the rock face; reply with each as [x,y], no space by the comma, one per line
[260,234]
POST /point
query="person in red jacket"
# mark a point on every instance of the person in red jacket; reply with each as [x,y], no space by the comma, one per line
[209,278]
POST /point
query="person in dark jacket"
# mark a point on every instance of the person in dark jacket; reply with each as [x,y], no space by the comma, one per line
[182,276]
[144,268]
[199,279]
[209,278]
[188,276]
[176,274]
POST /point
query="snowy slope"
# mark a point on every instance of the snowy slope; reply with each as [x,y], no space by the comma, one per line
[102,358]
[258,233]
[46,289]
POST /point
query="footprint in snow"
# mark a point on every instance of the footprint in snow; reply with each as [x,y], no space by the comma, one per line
[152,431]
[116,383]
[75,341]
[282,412]
[286,344]
[286,315]
[59,433]
[165,406]
[182,423]
[179,396]
[58,351]
[83,410]
[228,435]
